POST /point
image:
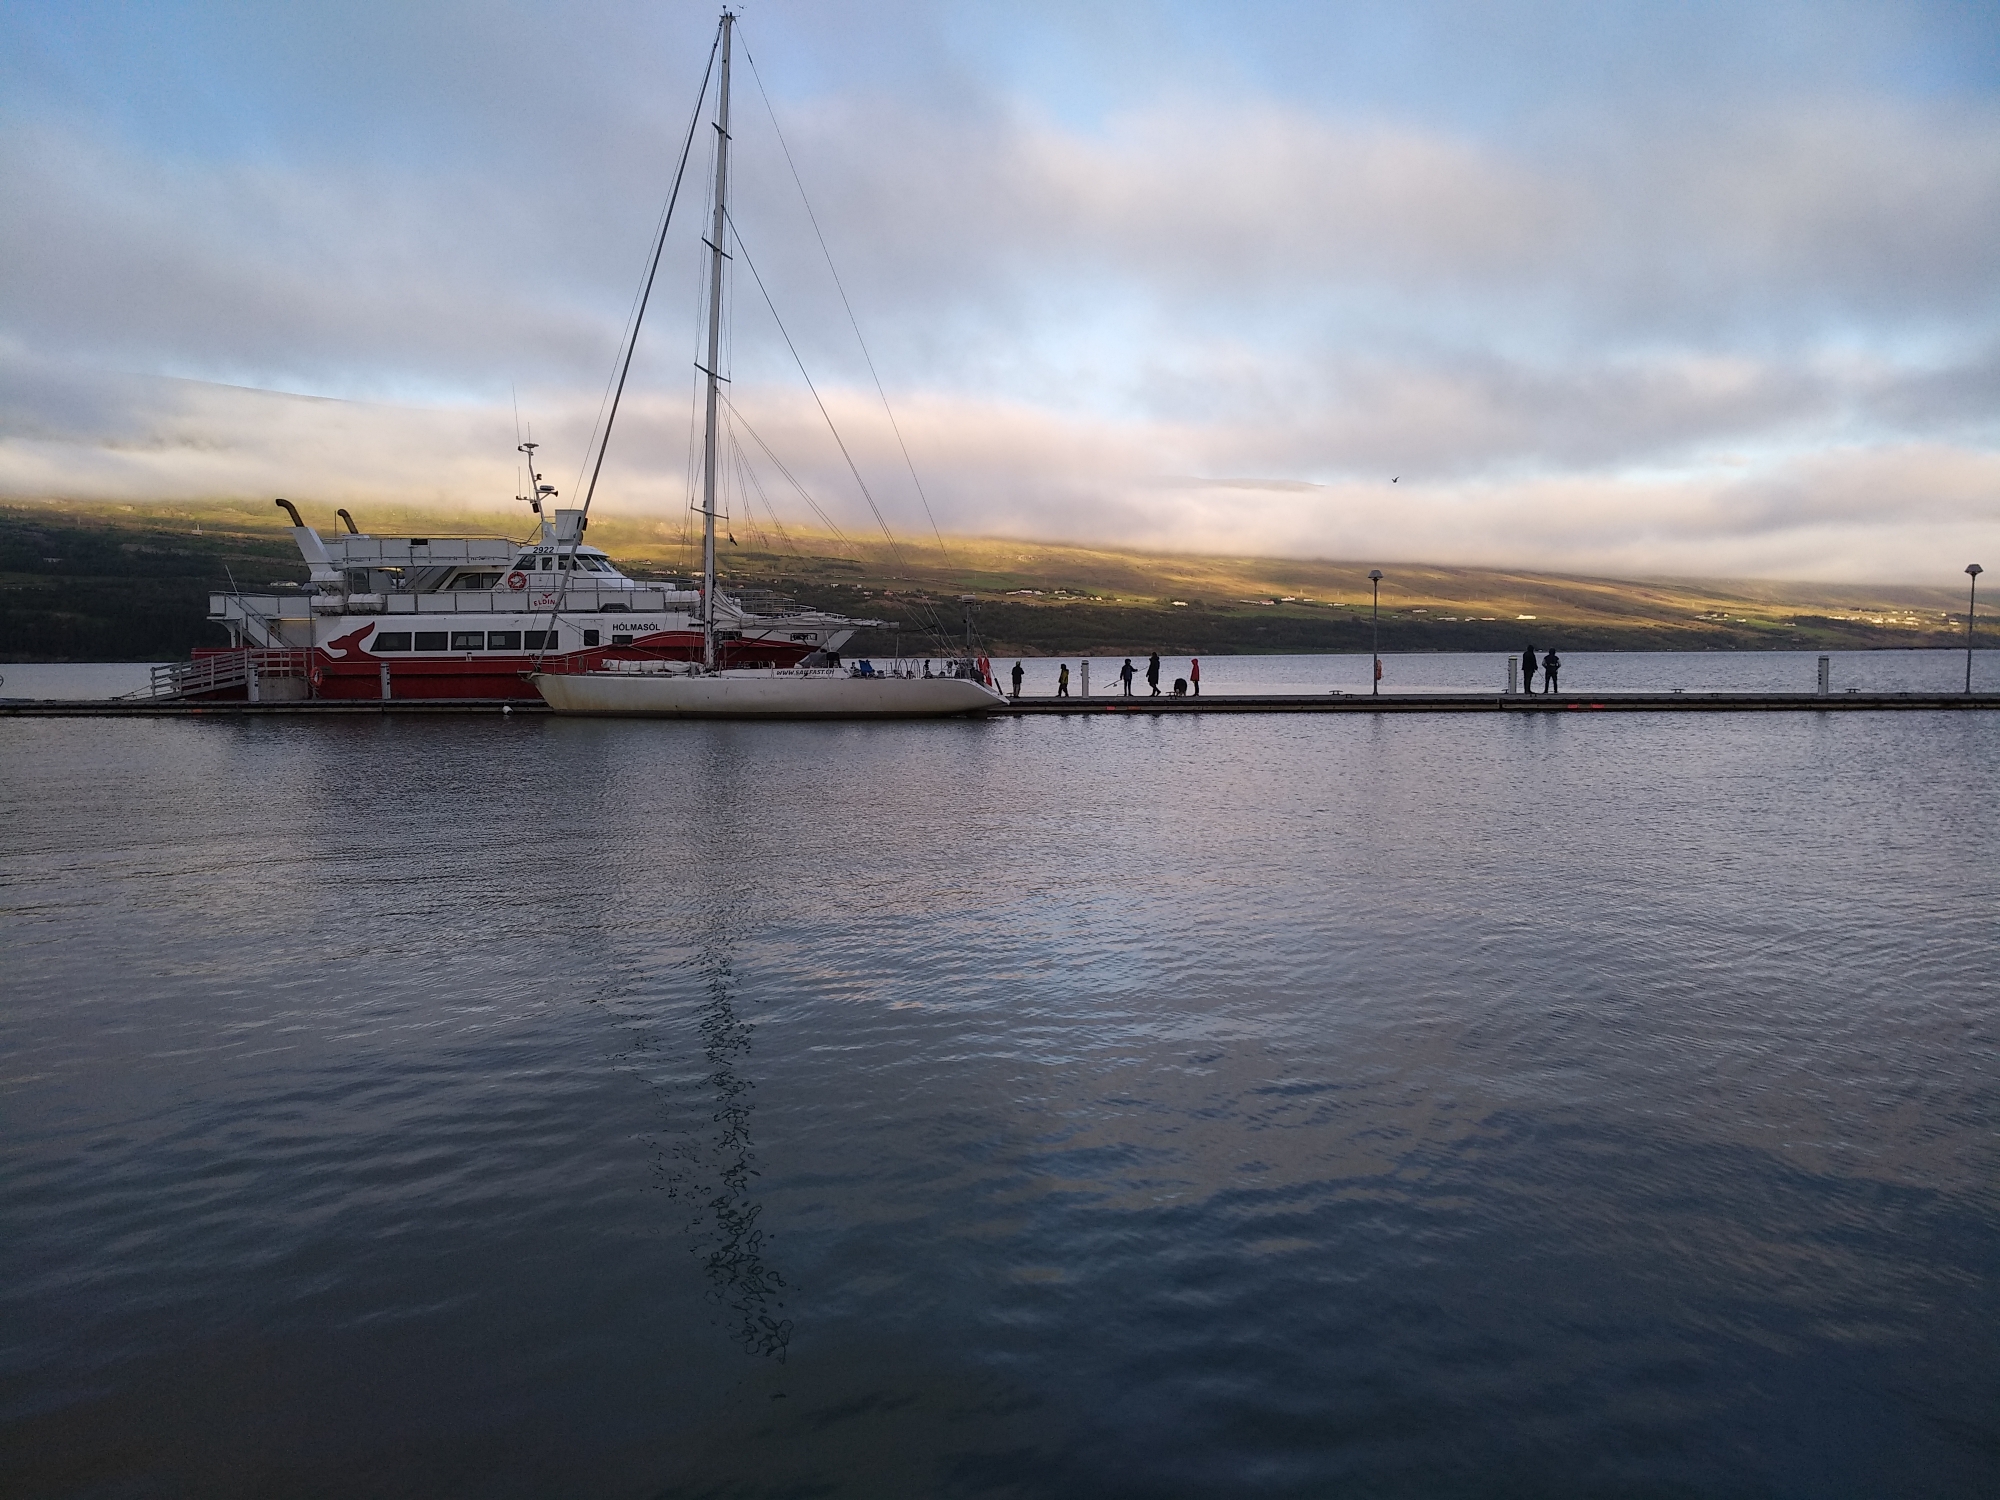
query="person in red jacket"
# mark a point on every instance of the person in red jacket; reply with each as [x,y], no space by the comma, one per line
[1194,676]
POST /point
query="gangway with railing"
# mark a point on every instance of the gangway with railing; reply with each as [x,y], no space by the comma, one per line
[225,671]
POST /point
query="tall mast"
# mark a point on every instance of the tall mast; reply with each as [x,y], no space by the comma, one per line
[719,228]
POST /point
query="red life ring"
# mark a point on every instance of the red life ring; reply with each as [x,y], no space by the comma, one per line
[316,675]
[517,581]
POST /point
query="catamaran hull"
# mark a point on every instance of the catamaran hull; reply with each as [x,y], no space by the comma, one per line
[775,695]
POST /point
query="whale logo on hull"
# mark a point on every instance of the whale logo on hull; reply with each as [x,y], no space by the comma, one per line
[347,645]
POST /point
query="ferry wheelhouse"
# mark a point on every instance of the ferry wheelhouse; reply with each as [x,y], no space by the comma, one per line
[471,617]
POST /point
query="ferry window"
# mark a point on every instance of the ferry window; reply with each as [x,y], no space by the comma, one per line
[548,564]
[590,638]
[503,640]
[476,581]
[468,640]
[621,640]
[540,640]
[525,564]
[430,640]
[392,640]
[357,580]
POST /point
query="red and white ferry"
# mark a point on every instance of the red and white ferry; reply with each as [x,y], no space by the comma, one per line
[470,617]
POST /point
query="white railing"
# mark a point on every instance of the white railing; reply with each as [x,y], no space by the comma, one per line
[231,669]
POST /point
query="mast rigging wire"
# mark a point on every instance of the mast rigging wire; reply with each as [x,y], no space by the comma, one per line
[926,618]
[632,338]
[889,536]
[839,286]
[736,415]
[652,270]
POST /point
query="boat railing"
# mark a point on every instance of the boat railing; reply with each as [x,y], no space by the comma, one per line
[224,670]
[763,603]
[504,601]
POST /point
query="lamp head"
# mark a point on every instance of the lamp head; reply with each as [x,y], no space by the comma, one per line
[1974,569]
[1374,575]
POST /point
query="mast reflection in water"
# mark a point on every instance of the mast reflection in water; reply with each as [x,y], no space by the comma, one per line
[709,1169]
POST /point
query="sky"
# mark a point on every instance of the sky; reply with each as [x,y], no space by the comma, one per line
[1635,289]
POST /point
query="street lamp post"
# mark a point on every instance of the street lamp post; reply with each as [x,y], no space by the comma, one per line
[1375,683]
[1971,601]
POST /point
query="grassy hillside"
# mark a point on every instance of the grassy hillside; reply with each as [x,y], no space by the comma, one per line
[108,582]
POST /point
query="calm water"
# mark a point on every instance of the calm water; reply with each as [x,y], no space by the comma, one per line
[1421,1106]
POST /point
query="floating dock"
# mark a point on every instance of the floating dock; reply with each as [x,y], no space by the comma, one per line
[1215,703]
[1502,703]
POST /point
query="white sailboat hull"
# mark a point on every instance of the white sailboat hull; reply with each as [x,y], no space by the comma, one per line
[795,694]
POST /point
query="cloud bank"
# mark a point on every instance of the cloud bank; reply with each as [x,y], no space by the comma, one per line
[1735,311]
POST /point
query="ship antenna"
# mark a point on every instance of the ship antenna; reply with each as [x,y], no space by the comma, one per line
[536,489]
[523,446]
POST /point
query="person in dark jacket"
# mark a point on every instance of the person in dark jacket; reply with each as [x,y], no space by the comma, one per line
[1017,679]
[1153,673]
[1125,675]
[1551,664]
[1528,669]
[1062,681]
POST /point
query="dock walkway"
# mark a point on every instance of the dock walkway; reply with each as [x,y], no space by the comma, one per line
[1505,703]
[1217,703]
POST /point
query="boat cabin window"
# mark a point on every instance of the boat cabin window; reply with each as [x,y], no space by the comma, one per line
[475,581]
[590,638]
[392,640]
[548,564]
[468,640]
[503,640]
[621,640]
[525,564]
[540,640]
[431,640]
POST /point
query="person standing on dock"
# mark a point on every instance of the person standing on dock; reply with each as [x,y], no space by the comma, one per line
[1194,675]
[1528,670]
[1153,673]
[1062,681]
[1125,675]
[1551,664]
[1017,679]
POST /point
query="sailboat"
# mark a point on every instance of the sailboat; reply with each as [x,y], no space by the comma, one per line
[816,688]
